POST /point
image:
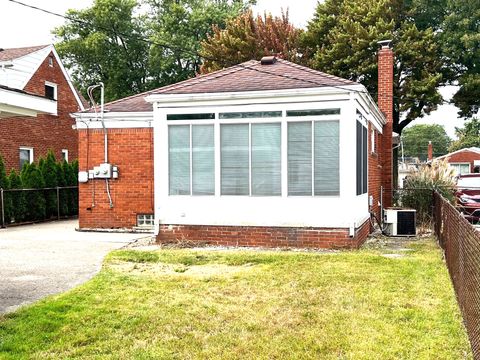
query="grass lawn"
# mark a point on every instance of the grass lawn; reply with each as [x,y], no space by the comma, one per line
[184,304]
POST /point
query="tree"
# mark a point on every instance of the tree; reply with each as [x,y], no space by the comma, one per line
[32,179]
[342,40]
[7,199]
[19,203]
[461,47]
[247,37]
[416,138]
[105,43]
[468,136]
[182,25]
[49,174]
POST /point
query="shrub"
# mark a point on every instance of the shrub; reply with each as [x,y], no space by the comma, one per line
[19,204]
[48,168]
[32,179]
[419,187]
[5,185]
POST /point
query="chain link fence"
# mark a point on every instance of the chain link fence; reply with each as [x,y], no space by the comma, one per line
[461,244]
[33,205]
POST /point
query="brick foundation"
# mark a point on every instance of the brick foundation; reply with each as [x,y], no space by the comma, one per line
[261,236]
[132,193]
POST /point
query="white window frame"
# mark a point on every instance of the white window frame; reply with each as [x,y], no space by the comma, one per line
[452,164]
[65,154]
[145,220]
[50,61]
[30,151]
[55,94]
[372,144]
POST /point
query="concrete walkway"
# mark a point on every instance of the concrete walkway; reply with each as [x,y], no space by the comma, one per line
[49,258]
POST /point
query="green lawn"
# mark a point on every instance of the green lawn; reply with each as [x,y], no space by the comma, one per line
[184,304]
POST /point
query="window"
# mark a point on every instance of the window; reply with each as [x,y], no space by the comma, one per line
[313,112]
[50,61]
[26,156]
[191,160]
[251,159]
[373,140]
[50,90]
[65,155]
[145,220]
[249,115]
[313,158]
[461,168]
[361,154]
[207,116]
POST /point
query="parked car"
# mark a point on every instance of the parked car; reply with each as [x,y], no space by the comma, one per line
[468,196]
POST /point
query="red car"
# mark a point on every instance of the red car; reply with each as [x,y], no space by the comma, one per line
[468,201]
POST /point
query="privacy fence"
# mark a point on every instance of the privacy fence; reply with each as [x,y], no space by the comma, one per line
[461,244]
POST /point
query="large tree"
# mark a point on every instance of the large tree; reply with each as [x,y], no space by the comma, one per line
[133,46]
[105,43]
[415,140]
[468,136]
[251,37]
[182,25]
[342,40]
[461,43]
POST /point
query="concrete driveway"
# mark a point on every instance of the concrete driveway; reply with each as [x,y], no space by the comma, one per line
[50,258]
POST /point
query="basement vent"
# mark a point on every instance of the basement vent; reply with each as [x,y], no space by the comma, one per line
[145,220]
[268,60]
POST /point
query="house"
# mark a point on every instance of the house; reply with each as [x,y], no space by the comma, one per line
[36,99]
[264,153]
[463,161]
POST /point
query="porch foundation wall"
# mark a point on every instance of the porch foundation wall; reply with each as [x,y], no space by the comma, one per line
[263,236]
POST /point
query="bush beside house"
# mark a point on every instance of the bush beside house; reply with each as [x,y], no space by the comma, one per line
[41,204]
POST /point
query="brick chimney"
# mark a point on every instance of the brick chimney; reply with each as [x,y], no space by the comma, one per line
[385,104]
[430,151]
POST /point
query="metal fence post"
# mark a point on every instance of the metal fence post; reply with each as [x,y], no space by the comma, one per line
[3,207]
[58,203]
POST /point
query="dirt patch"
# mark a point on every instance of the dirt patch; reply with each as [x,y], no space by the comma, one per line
[162,269]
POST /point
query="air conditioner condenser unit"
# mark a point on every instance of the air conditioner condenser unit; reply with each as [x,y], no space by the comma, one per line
[400,222]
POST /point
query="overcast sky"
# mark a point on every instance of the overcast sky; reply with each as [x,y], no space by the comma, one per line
[21,26]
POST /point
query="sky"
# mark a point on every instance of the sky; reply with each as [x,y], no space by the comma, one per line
[21,26]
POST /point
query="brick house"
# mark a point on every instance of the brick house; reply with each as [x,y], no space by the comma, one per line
[265,153]
[464,161]
[36,75]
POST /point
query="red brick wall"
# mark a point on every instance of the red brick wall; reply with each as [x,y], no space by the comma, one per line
[385,104]
[374,169]
[45,131]
[464,157]
[132,193]
[316,238]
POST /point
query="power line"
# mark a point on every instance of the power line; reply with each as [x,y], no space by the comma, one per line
[196,54]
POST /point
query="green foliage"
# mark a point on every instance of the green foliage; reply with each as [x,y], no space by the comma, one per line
[468,136]
[32,179]
[342,40]
[419,187]
[19,201]
[49,174]
[247,37]
[7,199]
[461,47]
[70,171]
[106,42]
[415,140]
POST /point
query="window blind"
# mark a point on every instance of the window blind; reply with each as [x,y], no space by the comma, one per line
[234,159]
[299,158]
[364,159]
[203,160]
[266,159]
[179,159]
[326,158]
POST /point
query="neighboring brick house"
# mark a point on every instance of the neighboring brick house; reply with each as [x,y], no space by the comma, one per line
[464,161]
[38,73]
[264,153]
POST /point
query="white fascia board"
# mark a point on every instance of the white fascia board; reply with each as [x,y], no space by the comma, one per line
[47,50]
[238,98]
[114,120]
[371,110]
[25,104]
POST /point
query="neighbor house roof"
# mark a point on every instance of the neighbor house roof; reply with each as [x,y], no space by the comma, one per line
[248,76]
[14,53]
[470,149]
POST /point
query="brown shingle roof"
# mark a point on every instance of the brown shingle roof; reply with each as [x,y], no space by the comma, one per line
[14,53]
[248,76]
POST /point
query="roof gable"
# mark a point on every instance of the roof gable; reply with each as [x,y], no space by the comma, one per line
[470,149]
[248,76]
[15,53]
